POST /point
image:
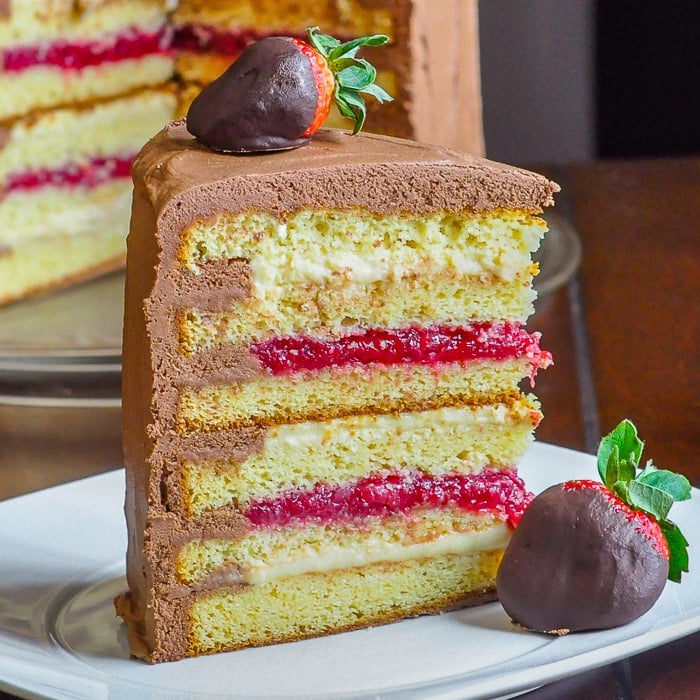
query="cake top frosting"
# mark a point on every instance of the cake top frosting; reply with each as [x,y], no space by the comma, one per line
[184,180]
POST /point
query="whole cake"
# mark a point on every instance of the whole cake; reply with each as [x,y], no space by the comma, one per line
[83,88]
[322,356]
[86,82]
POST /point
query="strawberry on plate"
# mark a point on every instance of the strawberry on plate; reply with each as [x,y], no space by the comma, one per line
[279,91]
[590,555]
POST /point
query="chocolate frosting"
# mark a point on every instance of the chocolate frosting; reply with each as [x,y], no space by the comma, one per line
[574,563]
[186,181]
[264,101]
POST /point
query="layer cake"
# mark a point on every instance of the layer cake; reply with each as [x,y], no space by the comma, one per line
[323,352]
[84,87]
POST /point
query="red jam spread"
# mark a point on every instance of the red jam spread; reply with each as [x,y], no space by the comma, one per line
[76,55]
[199,37]
[432,346]
[391,493]
[88,174]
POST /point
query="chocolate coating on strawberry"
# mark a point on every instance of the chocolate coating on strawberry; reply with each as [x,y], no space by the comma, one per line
[596,554]
[264,101]
[577,563]
[279,92]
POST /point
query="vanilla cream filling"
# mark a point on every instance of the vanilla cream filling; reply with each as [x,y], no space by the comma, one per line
[373,429]
[269,554]
[375,550]
[337,249]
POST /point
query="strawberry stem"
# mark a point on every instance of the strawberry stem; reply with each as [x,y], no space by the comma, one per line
[652,491]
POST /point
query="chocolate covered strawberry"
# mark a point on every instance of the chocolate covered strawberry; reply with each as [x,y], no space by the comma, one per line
[590,555]
[279,91]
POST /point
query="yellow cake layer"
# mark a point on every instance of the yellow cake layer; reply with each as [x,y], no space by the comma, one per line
[314,604]
[53,212]
[353,390]
[340,247]
[327,312]
[269,554]
[53,138]
[350,17]
[33,21]
[44,86]
[50,263]
[331,268]
[299,455]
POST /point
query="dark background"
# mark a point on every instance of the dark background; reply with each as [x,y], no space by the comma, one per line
[647,77]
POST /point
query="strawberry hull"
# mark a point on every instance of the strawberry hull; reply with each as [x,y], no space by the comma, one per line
[577,563]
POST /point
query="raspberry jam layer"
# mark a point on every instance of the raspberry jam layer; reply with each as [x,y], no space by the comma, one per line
[433,346]
[501,493]
[201,37]
[76,55]
[87,174]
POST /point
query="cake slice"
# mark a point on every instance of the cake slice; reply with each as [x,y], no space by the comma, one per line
[323,354]
[431,65]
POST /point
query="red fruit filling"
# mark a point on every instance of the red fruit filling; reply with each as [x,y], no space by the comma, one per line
[644,523]
[200,37]
[383,494]
[88,174]
[76,55]
[432,346]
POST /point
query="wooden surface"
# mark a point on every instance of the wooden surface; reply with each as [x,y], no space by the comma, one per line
[624,333]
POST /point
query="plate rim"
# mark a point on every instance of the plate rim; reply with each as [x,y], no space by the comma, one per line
[474,682]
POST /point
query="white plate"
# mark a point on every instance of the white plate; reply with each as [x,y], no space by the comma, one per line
[61,558]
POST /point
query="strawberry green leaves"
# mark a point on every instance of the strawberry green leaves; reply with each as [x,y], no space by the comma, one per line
[619,454]
[652,490]
[678,550]
[354,77]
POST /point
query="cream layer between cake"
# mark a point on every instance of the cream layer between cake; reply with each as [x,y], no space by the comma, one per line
[200,563]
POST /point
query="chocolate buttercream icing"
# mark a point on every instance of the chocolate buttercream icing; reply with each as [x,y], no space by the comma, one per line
[264,101]
[177,181]
[594,571]
[185,181]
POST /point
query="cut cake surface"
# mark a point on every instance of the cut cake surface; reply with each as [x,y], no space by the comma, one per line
[320,432]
